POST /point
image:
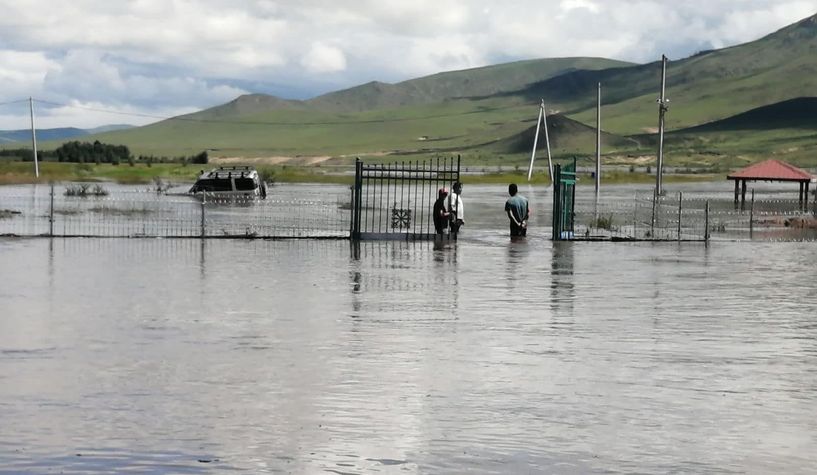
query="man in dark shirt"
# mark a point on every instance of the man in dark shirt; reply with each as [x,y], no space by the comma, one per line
[440,213]
[518,211]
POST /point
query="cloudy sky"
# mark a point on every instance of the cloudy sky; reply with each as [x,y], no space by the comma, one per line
[147,59]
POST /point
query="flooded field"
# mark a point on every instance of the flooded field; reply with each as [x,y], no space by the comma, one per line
[485,356]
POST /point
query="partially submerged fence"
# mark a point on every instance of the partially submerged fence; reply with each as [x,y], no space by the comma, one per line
[690,216]
[117,211]
[326,211]
[394,201]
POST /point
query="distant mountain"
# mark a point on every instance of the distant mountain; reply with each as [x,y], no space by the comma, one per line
[42,134]
[63,133]
[108,128]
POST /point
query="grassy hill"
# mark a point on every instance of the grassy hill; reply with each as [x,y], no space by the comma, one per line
[703,88]
[469,84]
[452,110]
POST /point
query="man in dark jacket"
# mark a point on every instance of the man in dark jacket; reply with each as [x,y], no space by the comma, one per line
[440,212]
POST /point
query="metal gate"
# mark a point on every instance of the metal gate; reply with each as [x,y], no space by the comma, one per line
[394,201]
[564,197]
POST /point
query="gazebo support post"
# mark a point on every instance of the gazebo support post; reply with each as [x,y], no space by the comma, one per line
[805,195]
[736,192]
[801,193]
[742,193]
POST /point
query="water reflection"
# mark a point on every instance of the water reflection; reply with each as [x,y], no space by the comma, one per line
[487,356]
[562,286]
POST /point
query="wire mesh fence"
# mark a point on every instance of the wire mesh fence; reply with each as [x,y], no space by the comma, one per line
[119,211]
[695,217]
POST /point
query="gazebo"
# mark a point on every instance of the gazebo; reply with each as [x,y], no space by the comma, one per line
[770,170]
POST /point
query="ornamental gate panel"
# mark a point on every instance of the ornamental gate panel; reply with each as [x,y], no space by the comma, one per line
[394,201]
[564,197]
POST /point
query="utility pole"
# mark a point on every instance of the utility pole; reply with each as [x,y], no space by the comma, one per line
[662,109]
[598,144]
[535,140]
[33,137]
[541,120]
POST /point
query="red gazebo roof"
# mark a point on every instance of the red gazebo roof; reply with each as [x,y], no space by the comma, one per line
[771,170]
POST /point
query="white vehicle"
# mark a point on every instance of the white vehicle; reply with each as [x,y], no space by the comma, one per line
[230,182]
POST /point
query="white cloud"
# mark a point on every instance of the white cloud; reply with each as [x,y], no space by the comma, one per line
[323,58]
[191,54]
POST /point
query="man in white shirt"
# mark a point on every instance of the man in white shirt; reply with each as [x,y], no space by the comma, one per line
[456,209]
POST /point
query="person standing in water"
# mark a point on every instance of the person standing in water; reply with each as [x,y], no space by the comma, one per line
[518,211]
[440,213]
[456,210]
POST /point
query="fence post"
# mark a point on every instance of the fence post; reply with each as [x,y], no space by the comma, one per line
[51,213]
[706,222]
[652,220]
[752,215]
[680,198]
[203,199]
[358,199]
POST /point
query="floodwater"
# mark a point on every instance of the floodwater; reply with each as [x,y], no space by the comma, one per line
[484,356]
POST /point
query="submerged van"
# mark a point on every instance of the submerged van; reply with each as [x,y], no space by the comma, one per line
[230,182]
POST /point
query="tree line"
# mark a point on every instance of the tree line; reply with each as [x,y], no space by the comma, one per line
[97,152]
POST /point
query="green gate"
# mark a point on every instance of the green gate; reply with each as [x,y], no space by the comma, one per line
[564,196]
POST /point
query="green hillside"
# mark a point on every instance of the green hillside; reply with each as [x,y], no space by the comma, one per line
[470,83]
[703,88]
[452,110]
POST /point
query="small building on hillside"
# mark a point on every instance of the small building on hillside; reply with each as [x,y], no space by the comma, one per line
[770,170]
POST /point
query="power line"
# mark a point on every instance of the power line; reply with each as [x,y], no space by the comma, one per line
[13,102]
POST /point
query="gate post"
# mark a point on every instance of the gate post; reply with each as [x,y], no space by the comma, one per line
[680,199]
[357,199]
[203,200]
[556,220]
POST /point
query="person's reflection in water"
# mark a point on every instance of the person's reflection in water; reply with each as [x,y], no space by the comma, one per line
[562,287]
[518,251]
[446,275]
[201,259]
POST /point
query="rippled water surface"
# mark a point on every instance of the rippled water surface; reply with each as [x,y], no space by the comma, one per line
[488,356]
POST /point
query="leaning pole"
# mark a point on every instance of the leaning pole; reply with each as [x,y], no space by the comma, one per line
[33,137]
[535,139]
